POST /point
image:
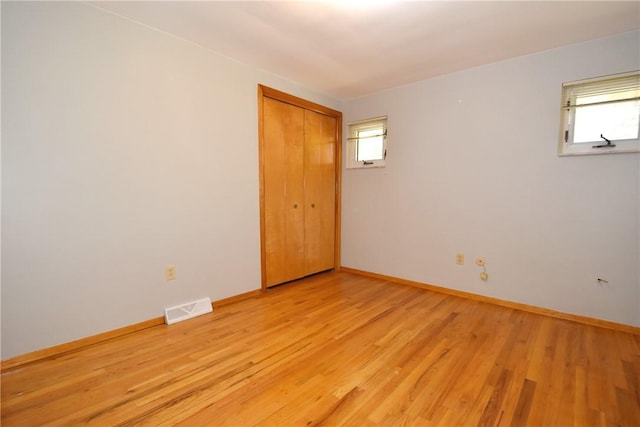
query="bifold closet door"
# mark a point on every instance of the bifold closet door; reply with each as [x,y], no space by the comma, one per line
[319,191]
[284,202]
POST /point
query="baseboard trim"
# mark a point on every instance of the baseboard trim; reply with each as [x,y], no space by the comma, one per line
[58,350]
[236,298]
[621,327]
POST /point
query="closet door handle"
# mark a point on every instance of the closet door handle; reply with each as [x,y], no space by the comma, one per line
[313,205]
[295,206]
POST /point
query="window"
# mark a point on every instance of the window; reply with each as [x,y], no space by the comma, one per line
[601,115]
[367,143]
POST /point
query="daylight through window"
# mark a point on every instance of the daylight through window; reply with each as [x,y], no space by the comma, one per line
[366,144]
[601,115]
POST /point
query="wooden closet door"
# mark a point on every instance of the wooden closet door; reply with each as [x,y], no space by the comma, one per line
[284,202]
[320,191]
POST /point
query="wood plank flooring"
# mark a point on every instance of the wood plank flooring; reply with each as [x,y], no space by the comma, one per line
[340,349]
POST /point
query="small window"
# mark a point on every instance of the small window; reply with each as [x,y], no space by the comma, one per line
[367,143]
[601,115]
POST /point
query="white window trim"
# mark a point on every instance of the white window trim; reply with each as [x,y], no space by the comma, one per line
[352,143]
[566,147]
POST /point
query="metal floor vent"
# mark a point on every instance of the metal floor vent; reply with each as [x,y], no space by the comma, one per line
[187,311]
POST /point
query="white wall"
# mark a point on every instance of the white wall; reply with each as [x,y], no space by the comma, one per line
[124,150]
[472,168]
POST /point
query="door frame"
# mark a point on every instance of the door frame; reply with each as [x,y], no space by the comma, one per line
[267,92]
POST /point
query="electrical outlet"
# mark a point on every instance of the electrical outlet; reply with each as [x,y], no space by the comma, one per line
[460,259]
[170,272]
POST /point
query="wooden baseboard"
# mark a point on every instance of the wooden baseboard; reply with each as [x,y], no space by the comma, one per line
[503,303]
[236,298]
[57,350]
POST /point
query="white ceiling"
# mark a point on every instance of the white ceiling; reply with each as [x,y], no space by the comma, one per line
[348,49]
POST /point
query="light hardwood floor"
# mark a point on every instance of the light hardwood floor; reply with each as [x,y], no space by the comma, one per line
[340,349]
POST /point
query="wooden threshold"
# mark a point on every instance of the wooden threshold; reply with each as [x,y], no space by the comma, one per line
[60,349]
[503,303]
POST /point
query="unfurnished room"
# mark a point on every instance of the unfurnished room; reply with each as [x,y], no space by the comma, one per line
[296,213]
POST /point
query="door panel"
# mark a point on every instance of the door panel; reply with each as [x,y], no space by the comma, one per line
[284,203]
[319,191]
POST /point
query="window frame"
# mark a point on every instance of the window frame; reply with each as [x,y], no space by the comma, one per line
[352,143]
[566,146]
